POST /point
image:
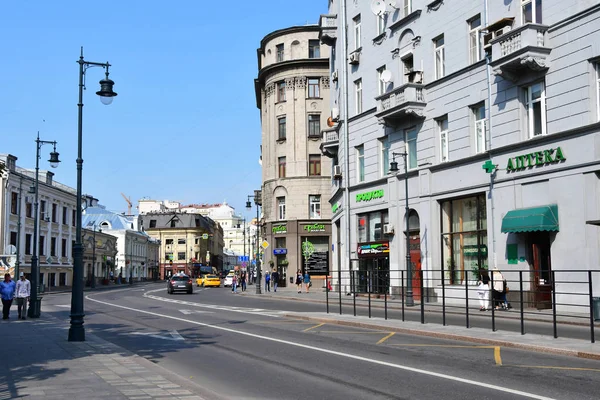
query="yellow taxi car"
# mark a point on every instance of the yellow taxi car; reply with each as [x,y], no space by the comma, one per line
[200,280]
[211,280]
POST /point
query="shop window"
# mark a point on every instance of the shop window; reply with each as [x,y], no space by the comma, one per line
[464,238]
[370,226]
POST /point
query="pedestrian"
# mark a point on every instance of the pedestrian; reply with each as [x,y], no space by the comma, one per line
[7,292]
[267,282]
[243,279]
[307,282]
[23,292]
[483,289]
[234,283]
[275,279]
[497,288]
[112,276]
[119,278]
[299,281]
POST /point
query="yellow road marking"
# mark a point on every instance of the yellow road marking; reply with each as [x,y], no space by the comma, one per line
[550,367]
[497,355]
[313,327]
[387,337]
[284,321]
[445,345]
[352,332]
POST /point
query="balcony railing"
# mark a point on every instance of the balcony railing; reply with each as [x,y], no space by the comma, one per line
[330,141]
[524,47]
[328,25]
[406,100]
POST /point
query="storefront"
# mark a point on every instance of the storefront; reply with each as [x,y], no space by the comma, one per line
[373,252]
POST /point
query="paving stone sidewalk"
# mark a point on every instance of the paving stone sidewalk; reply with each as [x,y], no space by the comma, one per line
[37,362]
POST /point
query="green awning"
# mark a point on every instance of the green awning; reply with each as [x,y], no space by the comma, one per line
[535,219]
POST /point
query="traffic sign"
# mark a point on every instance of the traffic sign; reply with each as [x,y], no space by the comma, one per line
[264,244]
[205,236]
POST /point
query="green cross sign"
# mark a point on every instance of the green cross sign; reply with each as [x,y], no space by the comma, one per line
[489,166]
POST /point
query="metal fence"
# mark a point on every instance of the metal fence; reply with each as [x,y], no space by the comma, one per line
[556,297]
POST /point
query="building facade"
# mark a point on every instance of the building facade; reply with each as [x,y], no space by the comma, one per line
[494,108]
[292,94]
[99,256]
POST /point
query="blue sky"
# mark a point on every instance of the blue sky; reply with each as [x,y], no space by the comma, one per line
[184,125]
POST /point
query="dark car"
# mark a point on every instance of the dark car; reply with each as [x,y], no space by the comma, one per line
[180,282]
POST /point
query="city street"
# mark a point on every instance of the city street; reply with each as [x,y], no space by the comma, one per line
[244,346]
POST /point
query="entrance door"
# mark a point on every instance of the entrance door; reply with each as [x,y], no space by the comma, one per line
[542,267]
[415,261]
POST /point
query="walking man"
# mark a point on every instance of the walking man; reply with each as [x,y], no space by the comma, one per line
[275,279]
[23,290]
[268,282]
[7,292]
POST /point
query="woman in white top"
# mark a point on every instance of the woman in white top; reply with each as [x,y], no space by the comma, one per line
[498,288]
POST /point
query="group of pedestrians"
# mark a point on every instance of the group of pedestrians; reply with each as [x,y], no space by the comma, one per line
[499,289]
[271,277]
[239,281]
[9,290]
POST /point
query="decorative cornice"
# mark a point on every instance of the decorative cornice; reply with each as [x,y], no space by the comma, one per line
[434,5]
[303,63]
[403,21]
[377,40]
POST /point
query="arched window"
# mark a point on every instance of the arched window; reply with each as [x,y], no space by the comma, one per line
[414,223]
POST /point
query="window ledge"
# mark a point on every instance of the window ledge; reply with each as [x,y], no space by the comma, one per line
[402,21]
[280,102]
[314,98]
[281,140]
[380,38]
[314,137]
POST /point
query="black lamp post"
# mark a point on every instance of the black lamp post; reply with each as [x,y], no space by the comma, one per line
[258,201]
[106,93]
[394,168]
[35,309]
[93,274]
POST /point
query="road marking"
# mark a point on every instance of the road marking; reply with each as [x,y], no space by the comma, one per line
[497,357]
[284,321]
[484,385]
[354,332]
[313,327]
[550,367]
[63,305]
[188,312]
[173,335]
[386,338]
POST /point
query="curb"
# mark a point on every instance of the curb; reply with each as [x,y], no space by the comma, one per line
[452,336]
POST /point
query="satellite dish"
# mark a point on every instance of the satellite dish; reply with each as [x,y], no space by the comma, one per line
[377,7]
[10,249]
[386,76]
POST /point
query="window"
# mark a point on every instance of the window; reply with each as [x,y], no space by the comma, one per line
[152,223]
[358,96]
[54,212]
[314,125]
[281,208]
[410,138]
[370,226]
[281,91]
[280,49]
[281,128]
[314,165]
[173,223]
[64,215]
[384,148]
[280,243]
[181,255]
[314,49]
[357,42]
[313,88]
[381,19]
[28,209]
[28,237]
[532,11]
[440,69]
[14,203]
[53,247]
[598,88]
[281,163]
[13,238]
[475,39]
[73,217]
[168,241]
[380,83]
[535,102]
[63,248]
[43,209]
[41,244]
[464,238]
[407,7]
[360,163]
[180,241]
[169,256]
[479,118]
[443,130]
[314,206]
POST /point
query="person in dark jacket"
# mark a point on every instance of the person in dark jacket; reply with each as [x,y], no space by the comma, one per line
[7,292]
[275,279]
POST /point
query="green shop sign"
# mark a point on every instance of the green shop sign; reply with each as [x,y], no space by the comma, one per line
[315,228]
[538,158]
[335,207]
[280,229]
[368,196]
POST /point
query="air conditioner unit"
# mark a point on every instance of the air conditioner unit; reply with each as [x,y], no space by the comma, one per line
[334,76]
[354,57]
[388,229]
[337,171]
[501,31]
[415,76]
[335,114]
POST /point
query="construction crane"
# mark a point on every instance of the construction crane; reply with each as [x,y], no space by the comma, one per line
[128,200]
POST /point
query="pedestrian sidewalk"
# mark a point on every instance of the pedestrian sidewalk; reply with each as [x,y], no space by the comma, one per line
[530,341]
[39,363]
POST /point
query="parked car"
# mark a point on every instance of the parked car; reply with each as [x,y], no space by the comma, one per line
[211,280]
[228,280]
[180,282]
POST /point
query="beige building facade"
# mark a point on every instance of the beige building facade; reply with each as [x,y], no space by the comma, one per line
[292,94]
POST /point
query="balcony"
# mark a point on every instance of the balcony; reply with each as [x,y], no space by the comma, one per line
[328,33]
[403,102]
[330,141]
[523,49]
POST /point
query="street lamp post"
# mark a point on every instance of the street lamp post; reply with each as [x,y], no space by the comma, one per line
[258,201]
[93,277]
[394,168]
[35,309]
[106,93]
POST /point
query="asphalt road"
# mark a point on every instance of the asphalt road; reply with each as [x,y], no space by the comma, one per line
[242,347]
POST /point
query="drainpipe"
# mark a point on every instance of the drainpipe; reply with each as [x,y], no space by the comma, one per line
[346,174]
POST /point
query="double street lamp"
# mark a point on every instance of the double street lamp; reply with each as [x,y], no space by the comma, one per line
[394,168]
[35,309]
[106,93]
[258,201]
